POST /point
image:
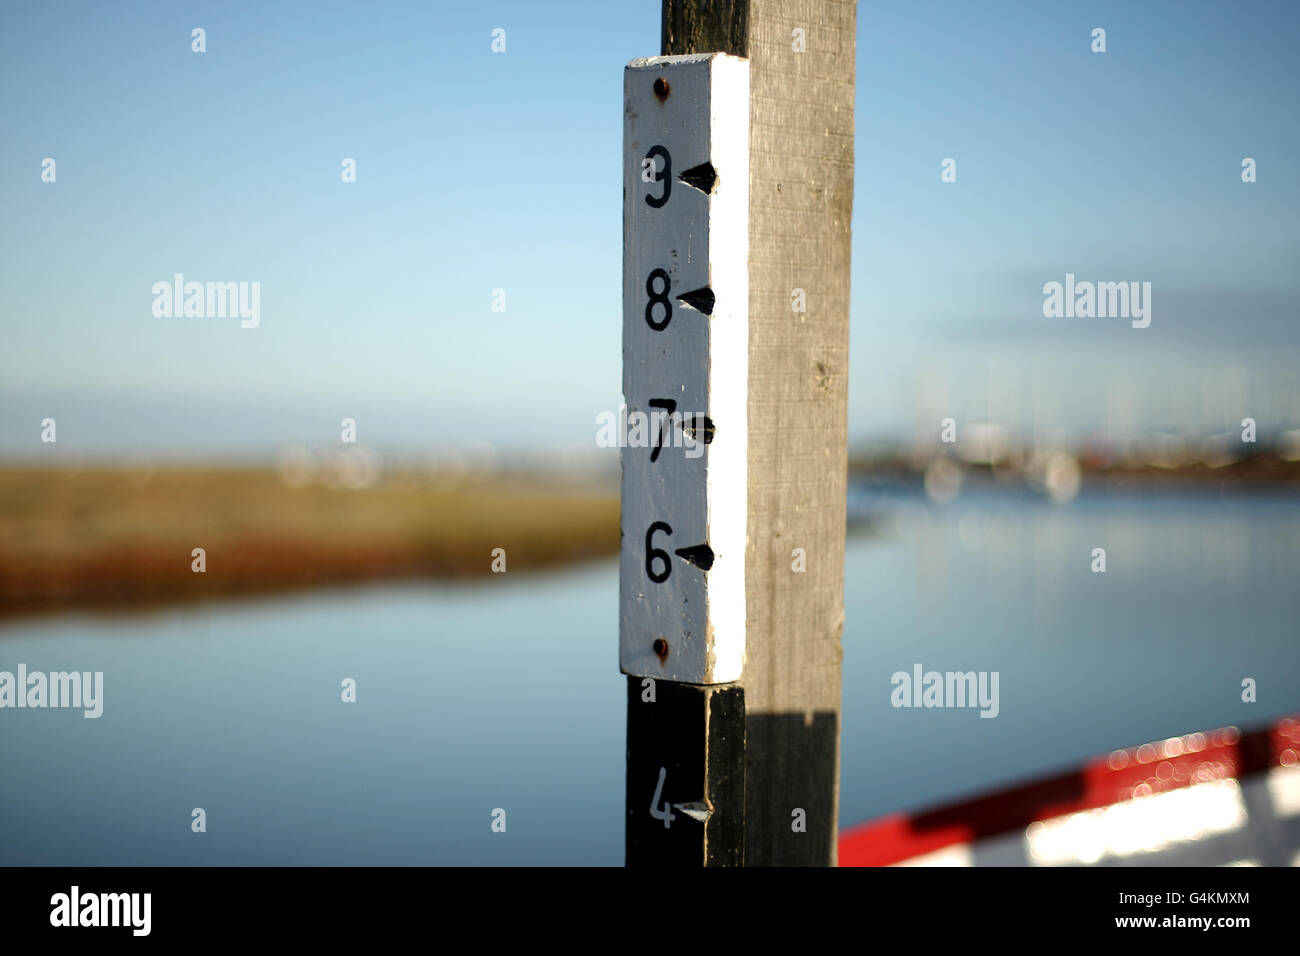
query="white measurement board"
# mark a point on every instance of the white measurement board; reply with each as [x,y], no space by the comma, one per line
[685,367]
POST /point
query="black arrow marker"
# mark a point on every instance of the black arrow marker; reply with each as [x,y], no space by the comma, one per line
[699,299]
[700,432]
[700,555]
[703,177]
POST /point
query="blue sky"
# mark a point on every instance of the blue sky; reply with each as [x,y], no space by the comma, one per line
[478,170]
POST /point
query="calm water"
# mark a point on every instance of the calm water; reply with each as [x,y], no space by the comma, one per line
[506,693]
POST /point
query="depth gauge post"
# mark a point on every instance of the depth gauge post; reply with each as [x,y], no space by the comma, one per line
[738,187]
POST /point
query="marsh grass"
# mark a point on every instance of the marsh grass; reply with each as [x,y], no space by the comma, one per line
[108,536]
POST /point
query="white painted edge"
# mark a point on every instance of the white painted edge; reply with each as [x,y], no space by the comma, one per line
[645,61]
[727,496]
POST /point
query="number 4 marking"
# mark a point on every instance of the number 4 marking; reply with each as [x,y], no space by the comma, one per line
[696,809]
[666,814]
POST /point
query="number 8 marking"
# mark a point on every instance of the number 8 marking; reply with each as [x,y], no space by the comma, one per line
[658,298]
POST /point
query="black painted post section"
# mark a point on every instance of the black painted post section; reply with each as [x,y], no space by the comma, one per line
[685,759]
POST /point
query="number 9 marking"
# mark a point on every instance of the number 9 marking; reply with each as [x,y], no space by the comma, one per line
[664,176]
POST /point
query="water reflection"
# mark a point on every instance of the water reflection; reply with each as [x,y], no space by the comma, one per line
[506,693]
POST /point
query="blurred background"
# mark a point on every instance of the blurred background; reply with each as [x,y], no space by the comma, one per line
[460,304]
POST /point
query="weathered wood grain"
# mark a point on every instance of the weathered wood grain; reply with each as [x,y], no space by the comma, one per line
[801,203]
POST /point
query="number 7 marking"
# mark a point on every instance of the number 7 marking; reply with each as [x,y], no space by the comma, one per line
[661,438]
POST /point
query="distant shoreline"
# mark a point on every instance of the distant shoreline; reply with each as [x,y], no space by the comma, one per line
[107,538]
[1263,467]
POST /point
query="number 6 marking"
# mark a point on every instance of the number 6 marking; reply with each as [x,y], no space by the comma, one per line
[653,554]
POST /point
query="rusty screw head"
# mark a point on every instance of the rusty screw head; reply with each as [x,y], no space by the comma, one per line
[660,647]
[661,89]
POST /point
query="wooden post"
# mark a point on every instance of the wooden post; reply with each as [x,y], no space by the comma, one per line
[685,361]
[771,739]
